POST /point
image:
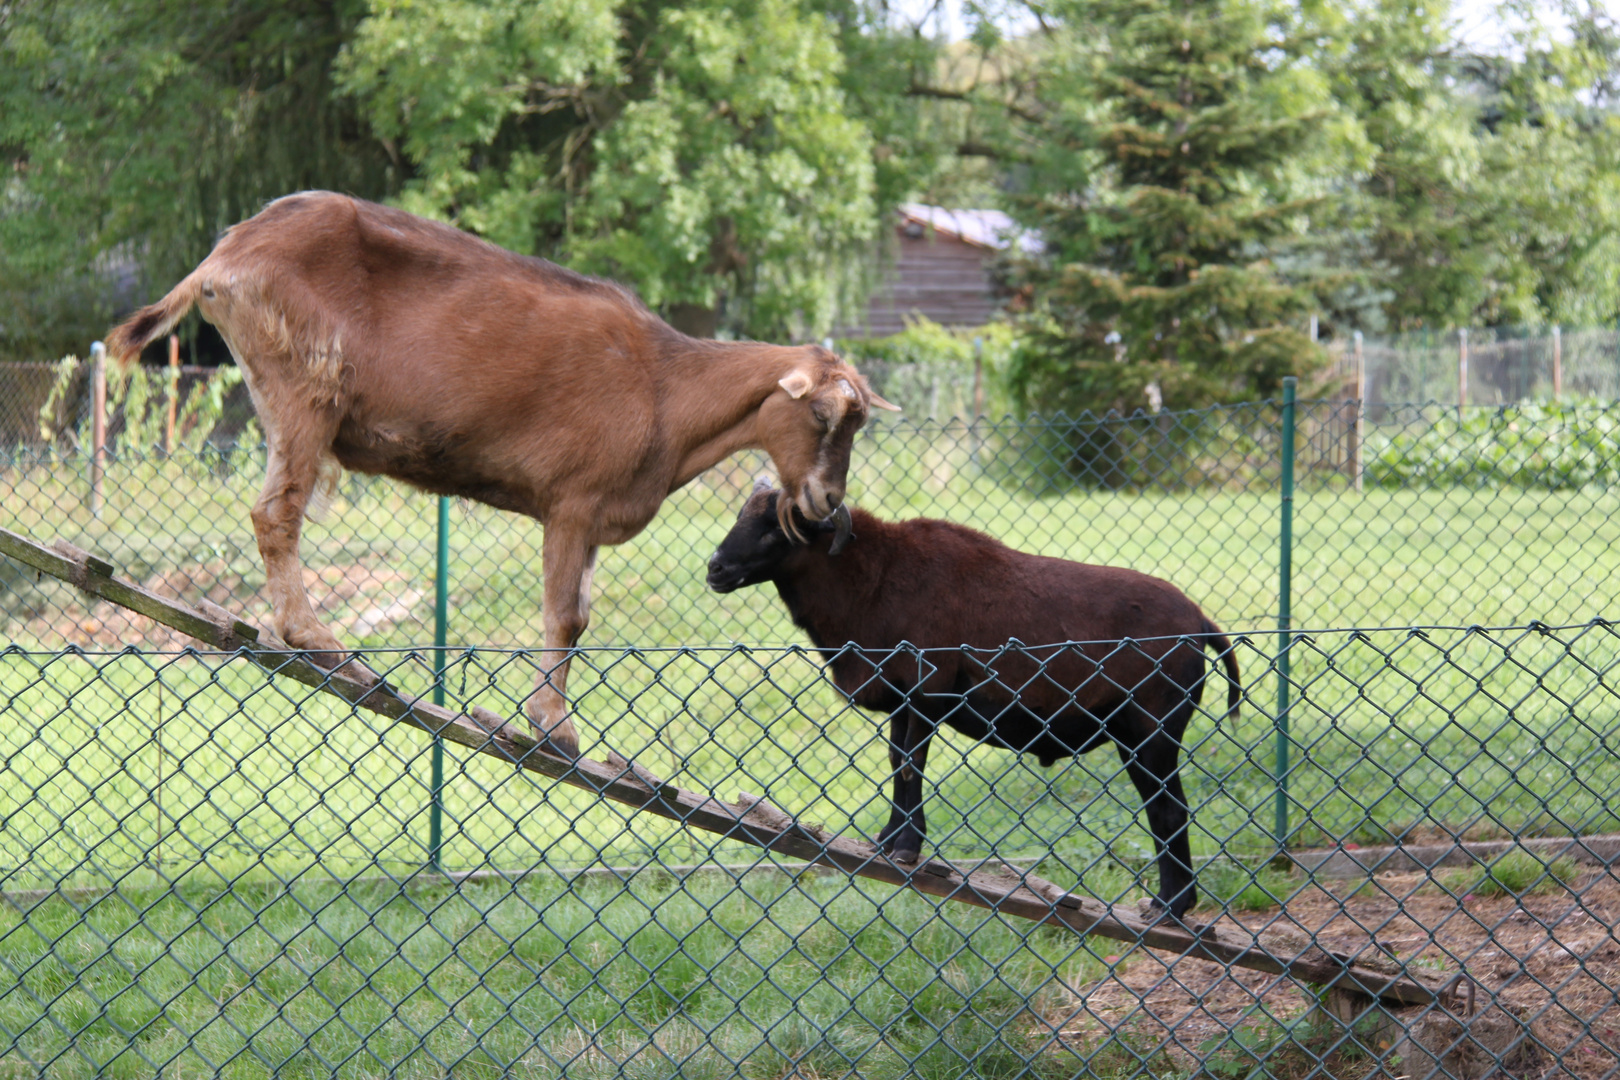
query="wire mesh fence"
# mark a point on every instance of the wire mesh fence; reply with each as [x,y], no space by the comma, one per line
[1400,516]
[1490,366]
[213,867]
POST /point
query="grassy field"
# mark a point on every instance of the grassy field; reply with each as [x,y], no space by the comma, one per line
[197,785]
[765,976]
[1500,555]
[117,763]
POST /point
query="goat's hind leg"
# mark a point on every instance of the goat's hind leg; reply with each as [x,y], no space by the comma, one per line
[293,471]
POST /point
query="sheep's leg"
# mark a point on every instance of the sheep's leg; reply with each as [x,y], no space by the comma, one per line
[278,518]
[568,563]
[909,735]
[1153,769]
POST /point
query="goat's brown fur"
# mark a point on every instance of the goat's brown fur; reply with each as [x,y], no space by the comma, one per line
[405,347]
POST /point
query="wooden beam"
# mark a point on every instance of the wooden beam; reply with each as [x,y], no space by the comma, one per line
[1002,888]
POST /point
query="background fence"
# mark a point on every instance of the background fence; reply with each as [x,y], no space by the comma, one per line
[1506,516]
[211,870]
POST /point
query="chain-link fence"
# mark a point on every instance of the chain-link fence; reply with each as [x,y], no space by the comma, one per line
[214,867]
[1482,366]
[213,870]
[1405,515]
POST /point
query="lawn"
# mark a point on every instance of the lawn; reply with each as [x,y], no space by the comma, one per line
[199,786]
[1452,555]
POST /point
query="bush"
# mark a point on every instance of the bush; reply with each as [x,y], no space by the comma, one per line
[927,369]
[1537,445]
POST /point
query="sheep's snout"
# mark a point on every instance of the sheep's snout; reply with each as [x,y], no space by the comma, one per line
[721,578]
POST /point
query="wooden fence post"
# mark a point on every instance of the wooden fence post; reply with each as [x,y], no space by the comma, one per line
[1462,372]
[174,393]
[98,423]
[1558,364]
[1359,463]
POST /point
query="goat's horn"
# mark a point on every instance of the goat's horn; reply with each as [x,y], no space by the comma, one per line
[843,529]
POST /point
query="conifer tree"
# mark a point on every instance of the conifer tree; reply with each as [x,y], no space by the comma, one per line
[1171,140]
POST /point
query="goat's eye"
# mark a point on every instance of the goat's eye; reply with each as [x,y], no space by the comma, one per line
[822,414]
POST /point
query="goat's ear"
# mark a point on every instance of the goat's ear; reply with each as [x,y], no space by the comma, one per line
[797,384]
[879,403]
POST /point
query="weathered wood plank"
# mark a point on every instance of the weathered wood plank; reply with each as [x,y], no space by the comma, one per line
[751,819]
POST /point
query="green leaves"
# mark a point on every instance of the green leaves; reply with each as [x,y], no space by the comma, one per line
[703,153]
[1158,283]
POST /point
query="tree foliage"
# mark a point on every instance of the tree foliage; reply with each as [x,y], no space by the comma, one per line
[1489,193]
[705,152]
[1164,187]
[134,132]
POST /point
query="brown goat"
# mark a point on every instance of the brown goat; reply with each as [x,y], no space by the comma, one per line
[395,345]
[1035,654]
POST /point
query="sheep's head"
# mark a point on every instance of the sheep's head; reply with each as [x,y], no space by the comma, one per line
[808,427]
[757,544]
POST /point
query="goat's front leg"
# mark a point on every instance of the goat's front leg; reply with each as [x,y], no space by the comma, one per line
[909,735]
[278,519]
[567,562]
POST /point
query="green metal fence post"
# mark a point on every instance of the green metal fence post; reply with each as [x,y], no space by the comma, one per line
[1285,571]
[441,604]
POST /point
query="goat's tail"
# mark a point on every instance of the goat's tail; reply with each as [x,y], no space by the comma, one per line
[126,340]
[1214,638]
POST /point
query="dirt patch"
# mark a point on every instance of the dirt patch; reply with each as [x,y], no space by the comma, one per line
[1551,962]
[357,600]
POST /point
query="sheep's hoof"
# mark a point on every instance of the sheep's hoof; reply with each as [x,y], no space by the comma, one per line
[905,855]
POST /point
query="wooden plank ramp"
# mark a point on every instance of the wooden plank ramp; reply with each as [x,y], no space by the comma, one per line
[1002,888]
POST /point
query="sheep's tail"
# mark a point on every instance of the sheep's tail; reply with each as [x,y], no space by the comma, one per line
[126,340]
[1214,638]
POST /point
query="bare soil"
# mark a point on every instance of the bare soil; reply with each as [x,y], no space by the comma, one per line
[358,599]
[1551,960]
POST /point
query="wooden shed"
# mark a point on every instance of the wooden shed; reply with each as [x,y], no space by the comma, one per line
[941,270]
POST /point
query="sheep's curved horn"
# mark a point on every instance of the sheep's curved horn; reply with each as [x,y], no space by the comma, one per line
[784,518]
[843,529]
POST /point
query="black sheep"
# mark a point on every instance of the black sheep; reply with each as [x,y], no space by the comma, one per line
[935,585]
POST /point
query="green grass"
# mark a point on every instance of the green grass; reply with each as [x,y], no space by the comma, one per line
[194,785]
[1419,556]
[1516,873]
[765,976]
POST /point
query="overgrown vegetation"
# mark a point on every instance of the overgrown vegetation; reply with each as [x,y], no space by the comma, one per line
[1540,445]
[1516,873]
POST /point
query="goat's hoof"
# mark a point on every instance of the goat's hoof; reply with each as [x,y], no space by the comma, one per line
[567,749]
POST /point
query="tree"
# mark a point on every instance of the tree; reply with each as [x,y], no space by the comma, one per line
[132,133]
[1172,138]
[705,152]
[1489,192]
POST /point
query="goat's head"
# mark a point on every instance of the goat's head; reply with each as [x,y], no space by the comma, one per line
[757,544]
[808,426]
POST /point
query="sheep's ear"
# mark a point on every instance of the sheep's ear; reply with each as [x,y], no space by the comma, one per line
[797,384]
[879,403]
